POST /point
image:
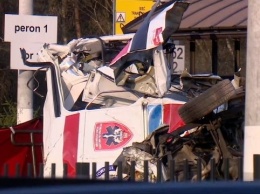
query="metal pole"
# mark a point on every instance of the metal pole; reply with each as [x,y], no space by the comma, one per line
[24,94]
[252,114]
[114,16]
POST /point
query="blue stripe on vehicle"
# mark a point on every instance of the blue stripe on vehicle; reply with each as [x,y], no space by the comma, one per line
[154,117]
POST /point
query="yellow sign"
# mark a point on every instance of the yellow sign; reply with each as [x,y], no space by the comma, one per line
[127,10]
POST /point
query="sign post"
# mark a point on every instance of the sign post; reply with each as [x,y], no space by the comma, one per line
[28,32]
[24,94]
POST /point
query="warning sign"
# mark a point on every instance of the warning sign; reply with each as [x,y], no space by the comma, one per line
[127,10]
[120,17]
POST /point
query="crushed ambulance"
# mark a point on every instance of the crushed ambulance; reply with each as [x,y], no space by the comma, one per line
[106,93]
[111,93]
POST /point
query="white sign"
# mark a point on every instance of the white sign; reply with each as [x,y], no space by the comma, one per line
[31,49]
[30,28]
[29,32]
[179,59]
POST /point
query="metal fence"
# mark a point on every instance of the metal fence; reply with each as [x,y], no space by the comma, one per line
[88,171]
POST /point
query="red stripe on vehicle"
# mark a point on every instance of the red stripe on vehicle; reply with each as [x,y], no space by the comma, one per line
[70,139]
[172,117]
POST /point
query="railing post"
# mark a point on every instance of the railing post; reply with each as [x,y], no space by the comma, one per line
[17,170]
[41,168]
[65,170]
[256,167]
[29,170]
[106,170]
[82,170]
[185,170]
[198,170]
[213,170]
[6,169]
[240,168]
[172,170]
[53,170]
[132,171]
[146,173]
[159,171]
[226,169]
[120,170]
[94,170]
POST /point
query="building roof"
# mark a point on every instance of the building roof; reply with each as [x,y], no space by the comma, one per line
[220,17]
[216,14]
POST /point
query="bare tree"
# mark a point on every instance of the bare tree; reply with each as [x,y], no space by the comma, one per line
[99,13]
[63,20]
[77,18]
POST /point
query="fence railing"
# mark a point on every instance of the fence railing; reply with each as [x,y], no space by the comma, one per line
[88,171]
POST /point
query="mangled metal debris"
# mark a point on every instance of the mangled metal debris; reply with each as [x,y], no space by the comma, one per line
[213,138]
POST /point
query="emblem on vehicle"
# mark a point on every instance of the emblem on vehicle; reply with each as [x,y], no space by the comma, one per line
[111,135]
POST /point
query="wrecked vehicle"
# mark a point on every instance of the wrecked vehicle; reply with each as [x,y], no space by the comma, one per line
[106,93]
[95,105]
